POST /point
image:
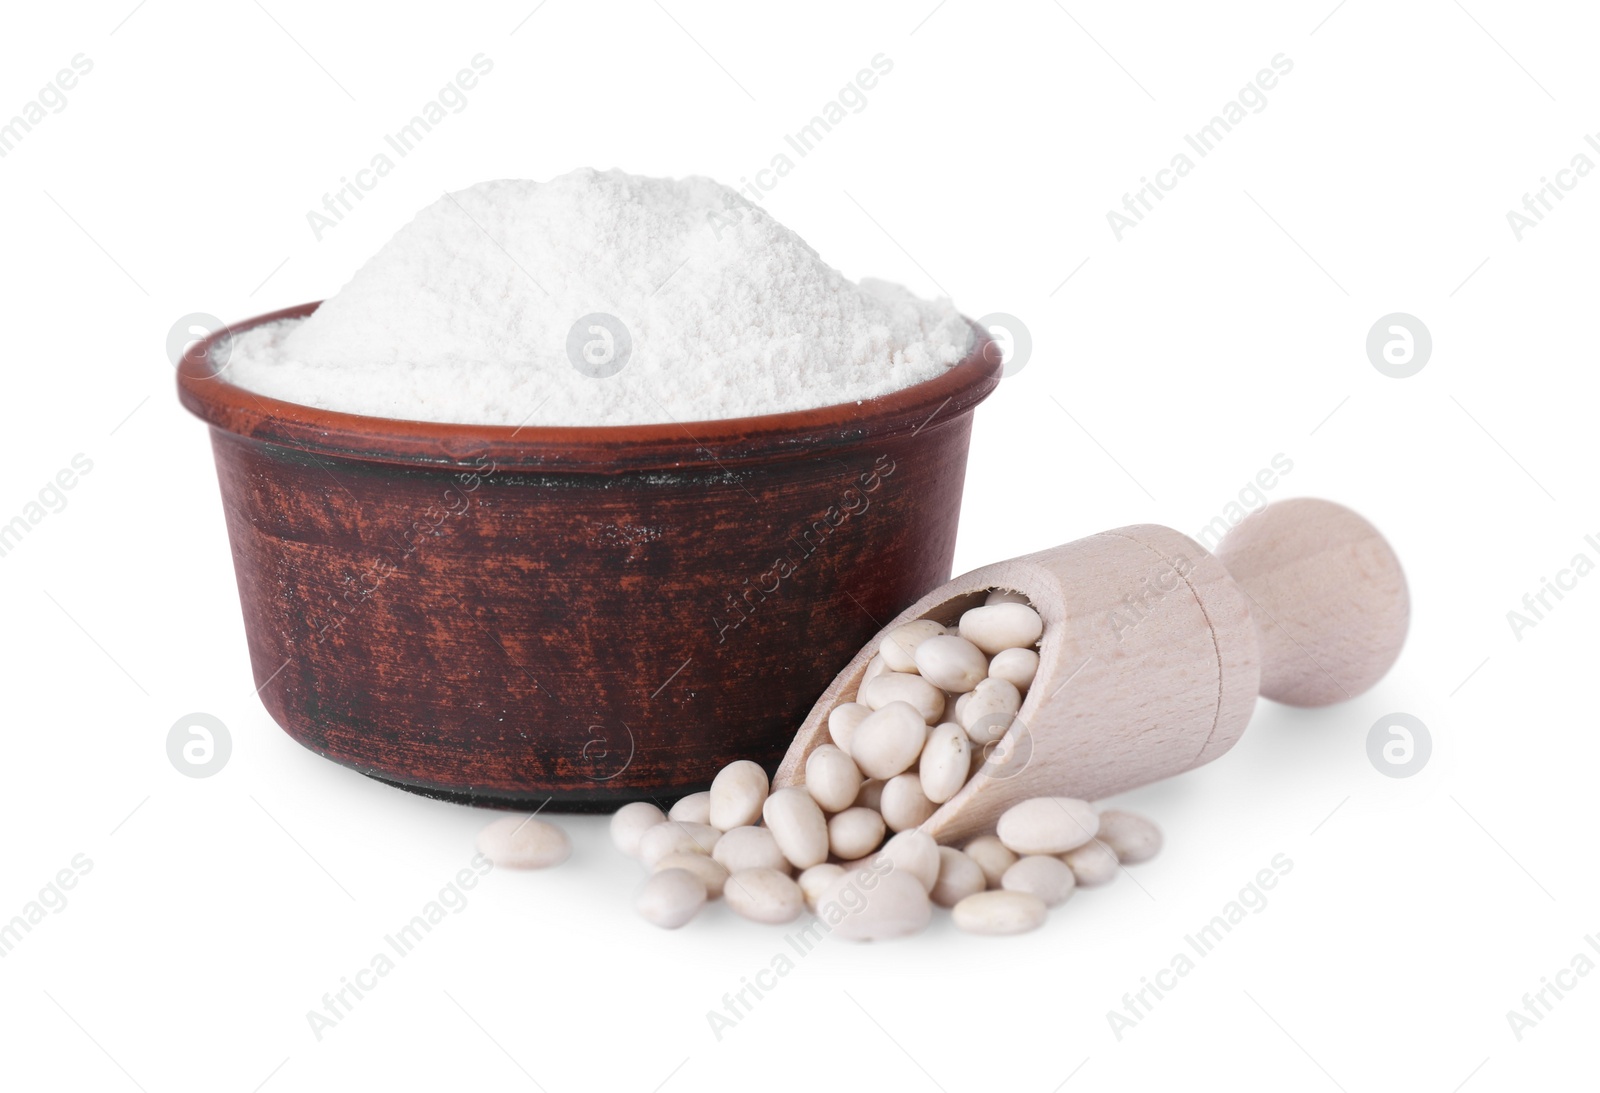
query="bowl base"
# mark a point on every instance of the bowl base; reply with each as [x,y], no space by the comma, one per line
[545,803]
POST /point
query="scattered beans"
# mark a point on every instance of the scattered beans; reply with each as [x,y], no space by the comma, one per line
[959,877]
[899,647]
[630,822]
[1092,863]
[999,913]
[992,857]
[764,895]
[670,898]
[711,872]
[673,837]
[904,805]
[998,626]
[915,854]
[522,842]
[798,826]
[695,808]
[737,793]
[893,905]
[814,881]
[891,687]
[1043,876]
[1132,837]
[855,833]
[749,848]
[832,778]
[1047,825]
[953,663]
[889,741]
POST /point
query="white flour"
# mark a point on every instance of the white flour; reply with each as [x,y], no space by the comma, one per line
[465,315]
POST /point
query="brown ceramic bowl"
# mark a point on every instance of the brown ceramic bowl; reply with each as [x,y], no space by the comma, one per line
[587,615]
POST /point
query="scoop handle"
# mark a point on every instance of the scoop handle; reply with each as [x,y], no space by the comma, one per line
[1328,597]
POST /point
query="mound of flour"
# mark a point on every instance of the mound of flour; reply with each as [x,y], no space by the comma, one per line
[598,298]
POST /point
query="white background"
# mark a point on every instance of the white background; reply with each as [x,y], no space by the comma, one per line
[1226,328]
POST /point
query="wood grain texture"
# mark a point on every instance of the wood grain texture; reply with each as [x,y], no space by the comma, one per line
[1148,667]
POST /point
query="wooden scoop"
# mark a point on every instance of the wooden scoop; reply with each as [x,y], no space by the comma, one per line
[1154,650]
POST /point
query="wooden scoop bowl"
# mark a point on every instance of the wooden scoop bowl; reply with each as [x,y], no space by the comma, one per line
[1154,650]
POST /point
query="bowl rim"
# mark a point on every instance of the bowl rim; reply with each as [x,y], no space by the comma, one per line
[230,408]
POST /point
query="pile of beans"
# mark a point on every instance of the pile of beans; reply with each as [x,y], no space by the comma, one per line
[931,703]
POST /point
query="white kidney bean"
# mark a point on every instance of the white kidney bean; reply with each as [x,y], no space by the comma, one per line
[1044,876]
[962,702]
[1000,595]
[522,842]
[855,833]
[871,795]
[875,667]
[889,741]
[749,848]
[670,898]
[630,822]
[927,699]
[899,647]
[843,720]
[883,908]
[952,663]
[832,777]
[904,806]
[814,881]
[959,877]
[1016,666]
[945,763]
[737,793]
[798,826]
[992,857]
[695,808]
[1047,825]
[713,874]
[915,853]
[1092,863]
[999,913]
[1131,836]
[764,895]
[673,837]
[991,709]
[1000,626]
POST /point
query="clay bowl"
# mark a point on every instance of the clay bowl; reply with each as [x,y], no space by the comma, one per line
[587,616]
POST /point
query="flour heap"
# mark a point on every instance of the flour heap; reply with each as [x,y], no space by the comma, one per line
[598,298]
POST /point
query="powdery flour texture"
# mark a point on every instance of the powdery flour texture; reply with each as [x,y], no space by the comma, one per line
[467,313]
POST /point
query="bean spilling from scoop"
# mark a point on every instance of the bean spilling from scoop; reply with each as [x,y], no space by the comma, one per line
[932,705]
